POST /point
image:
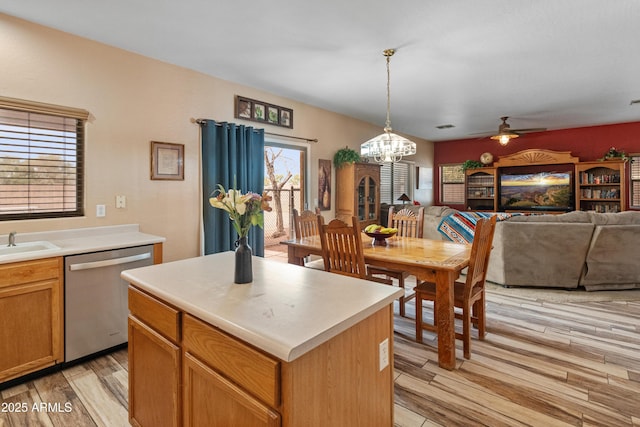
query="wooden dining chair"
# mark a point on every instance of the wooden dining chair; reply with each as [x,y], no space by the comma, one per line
[342,249]
[409,224]
[305,224]
[468,296]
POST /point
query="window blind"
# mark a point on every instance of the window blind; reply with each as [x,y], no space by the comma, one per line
[635,182]
[395,179]
[41,160]
[451,184]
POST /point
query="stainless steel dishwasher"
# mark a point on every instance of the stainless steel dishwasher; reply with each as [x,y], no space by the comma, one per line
[96,306]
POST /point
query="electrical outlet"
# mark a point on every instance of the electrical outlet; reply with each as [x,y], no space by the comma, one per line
[101,210]
[384,354]
[121,202]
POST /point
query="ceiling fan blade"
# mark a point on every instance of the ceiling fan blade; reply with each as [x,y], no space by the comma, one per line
[528,130]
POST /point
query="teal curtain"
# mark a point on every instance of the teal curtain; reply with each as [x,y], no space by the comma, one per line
[230,153]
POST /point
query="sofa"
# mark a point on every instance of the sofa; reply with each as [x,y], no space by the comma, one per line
[597,251]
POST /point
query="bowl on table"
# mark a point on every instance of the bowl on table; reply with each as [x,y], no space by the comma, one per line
[379,239]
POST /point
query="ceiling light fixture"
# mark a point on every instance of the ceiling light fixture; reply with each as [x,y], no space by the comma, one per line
[504,132]
[388,146]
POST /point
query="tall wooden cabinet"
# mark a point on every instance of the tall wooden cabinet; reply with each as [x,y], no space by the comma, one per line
[480,189]
[600,186]
[358,192]
[31,316]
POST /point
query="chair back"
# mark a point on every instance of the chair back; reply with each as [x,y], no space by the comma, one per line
[305,224]
[480,252]
[408,222]
[342,248]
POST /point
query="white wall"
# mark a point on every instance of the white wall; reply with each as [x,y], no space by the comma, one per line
[134,100]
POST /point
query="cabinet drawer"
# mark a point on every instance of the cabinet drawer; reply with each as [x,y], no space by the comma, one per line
[158,315]
[29,271]
[254,371]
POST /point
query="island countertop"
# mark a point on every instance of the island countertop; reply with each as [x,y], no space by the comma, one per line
[286,311]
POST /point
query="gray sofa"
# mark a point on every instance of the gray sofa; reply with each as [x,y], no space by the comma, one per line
[598,251]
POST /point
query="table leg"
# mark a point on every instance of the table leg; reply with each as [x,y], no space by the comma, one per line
[446,319]
[293,257]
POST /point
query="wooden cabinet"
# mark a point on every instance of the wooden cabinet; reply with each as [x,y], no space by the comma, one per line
[154,362]
[358,192]
[228,382]
[31,316]
[600,186]
[480,189]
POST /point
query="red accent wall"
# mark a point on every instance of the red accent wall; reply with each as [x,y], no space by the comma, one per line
[587,143]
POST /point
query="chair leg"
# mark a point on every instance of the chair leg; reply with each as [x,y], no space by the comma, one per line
[418,318]
[402,301]
[466,332]
[482,318]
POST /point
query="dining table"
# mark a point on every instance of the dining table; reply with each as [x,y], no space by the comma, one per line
[437,261]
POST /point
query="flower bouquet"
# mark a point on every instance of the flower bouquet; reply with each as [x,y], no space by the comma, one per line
[245,211]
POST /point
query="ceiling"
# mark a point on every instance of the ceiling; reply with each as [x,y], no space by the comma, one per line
[545,63]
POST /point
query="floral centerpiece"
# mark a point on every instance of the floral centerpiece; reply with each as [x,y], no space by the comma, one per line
[245,211]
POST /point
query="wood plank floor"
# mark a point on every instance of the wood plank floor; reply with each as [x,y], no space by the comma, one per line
[542,364]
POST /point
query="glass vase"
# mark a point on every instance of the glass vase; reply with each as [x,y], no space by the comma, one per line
[243,271]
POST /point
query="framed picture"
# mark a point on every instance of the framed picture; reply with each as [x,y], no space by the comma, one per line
[273,115]
[286,117]
[324,185]
[244,108]
[167,161]
[424,178]
[258,111]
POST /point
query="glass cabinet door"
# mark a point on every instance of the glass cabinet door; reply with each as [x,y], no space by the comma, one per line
[362,199]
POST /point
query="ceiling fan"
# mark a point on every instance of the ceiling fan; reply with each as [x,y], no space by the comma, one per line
[505,133]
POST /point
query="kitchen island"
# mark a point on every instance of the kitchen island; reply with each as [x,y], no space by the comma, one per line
[296,347]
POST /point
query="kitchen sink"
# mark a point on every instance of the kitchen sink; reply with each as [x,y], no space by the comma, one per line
[20,248]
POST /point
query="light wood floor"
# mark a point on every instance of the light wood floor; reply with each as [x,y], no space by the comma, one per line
[542,364]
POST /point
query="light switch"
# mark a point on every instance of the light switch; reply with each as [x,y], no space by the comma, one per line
[101,210]
[121,202]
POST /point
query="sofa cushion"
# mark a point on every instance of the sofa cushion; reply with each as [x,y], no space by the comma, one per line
[539,254]
[620,218]
[569,217]
[438,211]
[613,260]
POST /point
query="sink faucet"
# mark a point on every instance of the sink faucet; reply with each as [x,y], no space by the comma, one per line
[12,238]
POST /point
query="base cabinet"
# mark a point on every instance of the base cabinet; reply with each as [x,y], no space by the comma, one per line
[211,400]
[228,382]
[31,316]
[154,362]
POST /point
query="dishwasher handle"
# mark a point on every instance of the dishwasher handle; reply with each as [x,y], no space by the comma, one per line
[109,262]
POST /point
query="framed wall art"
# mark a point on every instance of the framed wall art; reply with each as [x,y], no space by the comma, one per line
[324,185]
[258,111]
[167,161]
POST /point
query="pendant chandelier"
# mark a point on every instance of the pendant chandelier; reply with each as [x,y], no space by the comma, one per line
[388,146]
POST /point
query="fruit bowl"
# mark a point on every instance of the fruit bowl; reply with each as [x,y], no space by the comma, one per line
[380,239]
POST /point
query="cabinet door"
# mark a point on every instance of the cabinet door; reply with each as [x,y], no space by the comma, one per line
[154,377]
[31,315]
[210,400]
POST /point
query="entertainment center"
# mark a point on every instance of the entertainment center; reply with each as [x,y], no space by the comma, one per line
[547,182]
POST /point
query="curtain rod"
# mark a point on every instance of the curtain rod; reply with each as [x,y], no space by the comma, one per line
[201,121]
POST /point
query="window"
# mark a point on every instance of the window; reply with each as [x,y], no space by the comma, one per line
[41,160]
[634,181]
[451,184]
[395,179]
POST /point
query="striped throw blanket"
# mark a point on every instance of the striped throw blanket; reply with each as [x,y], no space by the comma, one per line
[460,226]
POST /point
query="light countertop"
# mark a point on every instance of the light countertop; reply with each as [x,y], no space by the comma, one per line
[286,311]
[80,240]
